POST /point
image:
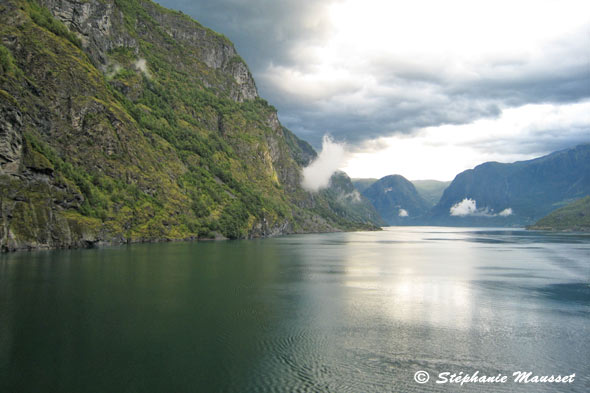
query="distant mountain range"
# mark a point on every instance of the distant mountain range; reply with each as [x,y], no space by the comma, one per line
[491,194]
[396,199]
[430,190]
[362,184]
[515,194]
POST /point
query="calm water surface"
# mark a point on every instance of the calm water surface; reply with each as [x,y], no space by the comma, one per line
[346,312]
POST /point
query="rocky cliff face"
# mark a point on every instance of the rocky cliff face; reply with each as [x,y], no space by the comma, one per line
[121,121]
[10,140]
[99,25]
[105,26]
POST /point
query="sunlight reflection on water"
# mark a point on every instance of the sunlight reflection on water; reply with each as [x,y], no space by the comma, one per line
[342,312]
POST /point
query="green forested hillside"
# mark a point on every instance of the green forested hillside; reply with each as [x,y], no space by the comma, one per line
[122,121]
[572,217]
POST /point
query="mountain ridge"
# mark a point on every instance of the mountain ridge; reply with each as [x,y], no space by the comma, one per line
[491,193]
[396,199]
[121,121]
[530,189]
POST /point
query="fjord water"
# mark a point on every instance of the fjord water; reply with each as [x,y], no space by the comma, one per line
[342,312]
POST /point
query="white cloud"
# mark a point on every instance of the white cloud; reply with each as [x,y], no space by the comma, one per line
[141,65]
[403,213]
[442,152]
[354,197]
[113,70]
[317,174]
[444,86]
[468,207]
[431,63]
[506,212]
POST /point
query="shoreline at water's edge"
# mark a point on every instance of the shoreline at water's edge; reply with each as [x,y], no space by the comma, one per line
[111,243]
[551,229]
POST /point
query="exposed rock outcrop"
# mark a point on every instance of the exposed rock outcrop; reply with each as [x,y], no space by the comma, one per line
[10,140]
[98,24]
[121,121]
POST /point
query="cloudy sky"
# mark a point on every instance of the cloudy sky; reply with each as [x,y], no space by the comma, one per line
[424,89]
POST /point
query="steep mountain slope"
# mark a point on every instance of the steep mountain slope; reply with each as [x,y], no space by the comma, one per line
[572,217]
[396,199]
[515,194]
[430,190]
[121,121]
[349,202]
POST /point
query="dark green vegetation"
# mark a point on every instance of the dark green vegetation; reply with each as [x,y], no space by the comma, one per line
[430,190]
[396,199]
[122,121]
[348,202]
[572,217]
[532,189]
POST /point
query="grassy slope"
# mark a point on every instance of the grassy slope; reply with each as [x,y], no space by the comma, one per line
[126,157]
[573,217]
